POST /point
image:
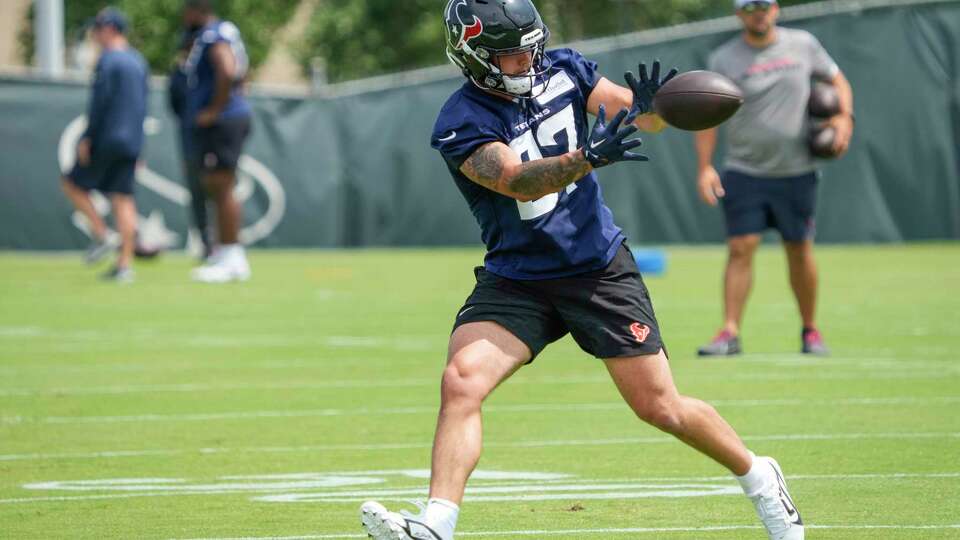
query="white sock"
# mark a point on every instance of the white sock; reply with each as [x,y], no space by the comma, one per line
[756,478]
[232,251]
[441,516]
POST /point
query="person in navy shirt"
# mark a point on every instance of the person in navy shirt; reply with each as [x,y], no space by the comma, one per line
[215,104]
[107,152]
[189,153]
[517,142]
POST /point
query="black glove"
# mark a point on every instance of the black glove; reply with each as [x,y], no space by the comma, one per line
[606,143]
[645,88]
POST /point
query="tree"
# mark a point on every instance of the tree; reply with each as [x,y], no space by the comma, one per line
[360,38]
[155,25]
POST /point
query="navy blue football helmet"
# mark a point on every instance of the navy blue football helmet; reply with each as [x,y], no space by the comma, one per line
[477,31]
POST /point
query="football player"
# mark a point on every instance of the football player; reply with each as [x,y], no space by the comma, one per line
[517,142]
[220,113]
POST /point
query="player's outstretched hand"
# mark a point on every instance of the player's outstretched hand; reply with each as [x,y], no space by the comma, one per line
[606,144]
[646,87]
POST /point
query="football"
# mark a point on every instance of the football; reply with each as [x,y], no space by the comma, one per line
[821,141]
[824,101]
[697,100]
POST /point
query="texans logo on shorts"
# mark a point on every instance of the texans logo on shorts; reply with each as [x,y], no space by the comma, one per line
[640,331]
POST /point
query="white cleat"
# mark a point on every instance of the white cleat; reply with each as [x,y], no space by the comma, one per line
[775,507]
[381,524]
[222,271]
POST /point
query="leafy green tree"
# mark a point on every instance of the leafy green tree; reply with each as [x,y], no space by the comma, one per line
[155,25]
[360,38]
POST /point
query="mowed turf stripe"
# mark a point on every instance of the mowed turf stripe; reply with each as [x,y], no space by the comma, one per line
[867,362]
[520,408]
[631,530]
[917,370]
[491,444]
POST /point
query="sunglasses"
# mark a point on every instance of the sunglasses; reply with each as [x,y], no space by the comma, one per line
[756,6]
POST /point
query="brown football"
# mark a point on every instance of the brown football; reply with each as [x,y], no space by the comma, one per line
[824,101]
[821,141]
[697,100]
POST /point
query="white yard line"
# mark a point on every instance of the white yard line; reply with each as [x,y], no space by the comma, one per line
[474,493]
[490,444]
[432,409]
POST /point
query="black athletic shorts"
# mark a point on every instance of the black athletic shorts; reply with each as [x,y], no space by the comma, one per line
[608,312]
[221,144]
[754,204]
[106,175]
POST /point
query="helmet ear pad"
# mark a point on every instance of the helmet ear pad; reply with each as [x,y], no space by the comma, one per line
[479,30]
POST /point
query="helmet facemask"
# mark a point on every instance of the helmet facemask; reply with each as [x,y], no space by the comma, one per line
[477,59]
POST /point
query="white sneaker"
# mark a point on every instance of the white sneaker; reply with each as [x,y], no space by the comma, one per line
[381,524]
[779,515]
[99,249]
[222,271]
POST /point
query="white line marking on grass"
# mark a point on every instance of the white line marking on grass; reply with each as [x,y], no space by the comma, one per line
[631,530]
[167,487]
[523,493]
[517,408]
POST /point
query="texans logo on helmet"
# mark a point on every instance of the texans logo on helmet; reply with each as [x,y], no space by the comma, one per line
[467,31]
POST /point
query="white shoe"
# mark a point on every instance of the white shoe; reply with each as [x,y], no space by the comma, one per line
[775,507]
[222,271]
[381,524]
[99,249]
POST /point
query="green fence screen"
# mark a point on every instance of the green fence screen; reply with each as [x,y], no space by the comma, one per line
[357,169]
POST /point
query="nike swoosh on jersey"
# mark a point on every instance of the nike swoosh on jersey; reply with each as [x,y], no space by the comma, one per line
[453,135]
[464,311]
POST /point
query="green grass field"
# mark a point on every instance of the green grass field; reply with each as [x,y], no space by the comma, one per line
[168,409]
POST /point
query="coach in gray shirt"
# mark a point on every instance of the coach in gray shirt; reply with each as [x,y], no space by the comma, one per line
[769,177]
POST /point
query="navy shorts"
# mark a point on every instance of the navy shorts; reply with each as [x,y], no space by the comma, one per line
[608,312]
[114,175]
[753,204]
[221,144]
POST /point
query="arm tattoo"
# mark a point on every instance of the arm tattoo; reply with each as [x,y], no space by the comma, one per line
[534,178]
[549,175]
[485,166]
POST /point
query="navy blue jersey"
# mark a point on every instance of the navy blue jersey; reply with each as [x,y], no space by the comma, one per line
[177,95]
[118,104]
[201,77]
[560,234]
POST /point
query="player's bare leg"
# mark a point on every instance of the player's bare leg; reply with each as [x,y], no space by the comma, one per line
[125,214]
[82,203]
[231,262]
[804,281]
[480,356]
[737,281]
[646,384]
[220,185]
[803,278]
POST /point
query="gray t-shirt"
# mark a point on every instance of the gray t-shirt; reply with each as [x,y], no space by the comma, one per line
[767,136]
